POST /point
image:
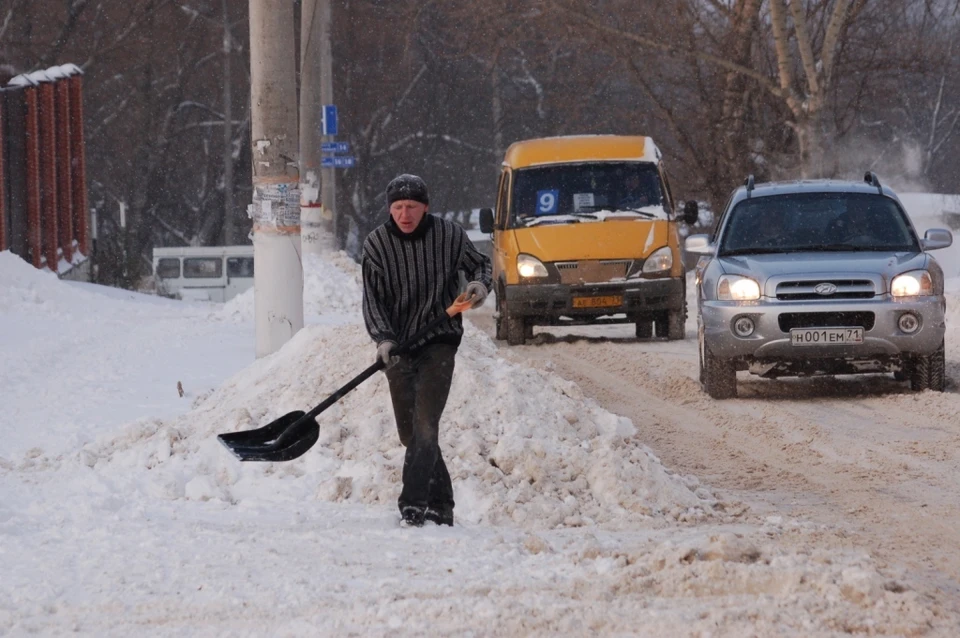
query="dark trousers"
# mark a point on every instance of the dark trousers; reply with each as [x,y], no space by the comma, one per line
[419,386]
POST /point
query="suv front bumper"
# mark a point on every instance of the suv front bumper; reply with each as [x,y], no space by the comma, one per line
[770,342]
[554,303]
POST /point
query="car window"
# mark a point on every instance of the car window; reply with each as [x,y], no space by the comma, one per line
[240,266]
[202,267]
[502,198]
[168,268]
[817,221]
[723,214]
[570,189]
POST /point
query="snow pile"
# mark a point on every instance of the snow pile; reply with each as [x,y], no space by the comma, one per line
[27,288]
[523,446]
[331,286]
[78,360]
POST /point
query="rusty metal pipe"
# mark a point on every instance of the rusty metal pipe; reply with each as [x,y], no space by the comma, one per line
[32,126]
[48,176]
[62,163]
[78,164]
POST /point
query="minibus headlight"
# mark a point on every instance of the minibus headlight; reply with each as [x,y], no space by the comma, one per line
[660,260]
[529,266]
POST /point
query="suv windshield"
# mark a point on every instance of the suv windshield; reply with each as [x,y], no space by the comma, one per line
[834,222]
[571,193]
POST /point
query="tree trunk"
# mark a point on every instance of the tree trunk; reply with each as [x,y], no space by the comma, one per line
[746,13]
[496,106]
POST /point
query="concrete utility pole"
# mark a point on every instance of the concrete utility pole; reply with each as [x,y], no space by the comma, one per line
[278,276]
[316,219]
[328,194]
[227,131]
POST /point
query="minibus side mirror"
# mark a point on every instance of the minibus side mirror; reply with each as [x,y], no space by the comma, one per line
[691,212]
[486,221]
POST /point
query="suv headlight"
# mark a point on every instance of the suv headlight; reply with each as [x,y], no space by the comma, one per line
[659,260]
[737,288]
[912,284]
[530,266]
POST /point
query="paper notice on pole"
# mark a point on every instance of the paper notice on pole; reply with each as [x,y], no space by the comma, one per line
[277,206]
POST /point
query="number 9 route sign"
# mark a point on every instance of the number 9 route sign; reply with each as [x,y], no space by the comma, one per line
[547,202]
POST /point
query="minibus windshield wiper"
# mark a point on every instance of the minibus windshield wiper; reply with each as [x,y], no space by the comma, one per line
[530,220]
[638,211]
[603,213]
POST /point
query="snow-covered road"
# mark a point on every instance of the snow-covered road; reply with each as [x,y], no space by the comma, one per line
[864,455]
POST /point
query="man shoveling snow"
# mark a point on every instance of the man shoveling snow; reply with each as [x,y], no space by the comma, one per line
[411,274]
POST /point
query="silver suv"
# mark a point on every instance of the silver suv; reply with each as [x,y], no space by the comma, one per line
[818,277]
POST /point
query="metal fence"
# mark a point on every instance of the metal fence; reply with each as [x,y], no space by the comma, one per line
[44,216]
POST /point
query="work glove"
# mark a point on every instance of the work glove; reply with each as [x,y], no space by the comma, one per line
[384,351]
[476,293]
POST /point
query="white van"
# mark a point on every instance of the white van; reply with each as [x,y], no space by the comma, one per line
[204,273]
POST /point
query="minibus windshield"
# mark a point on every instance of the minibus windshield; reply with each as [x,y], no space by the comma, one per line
[573,193]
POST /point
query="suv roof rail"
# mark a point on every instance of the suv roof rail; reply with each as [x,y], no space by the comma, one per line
[749,184]
[872,179]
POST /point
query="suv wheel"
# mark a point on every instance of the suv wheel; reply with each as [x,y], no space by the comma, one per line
[719,377]
[700,349]
[928,372]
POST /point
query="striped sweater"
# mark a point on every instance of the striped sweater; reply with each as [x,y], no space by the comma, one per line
[410,279]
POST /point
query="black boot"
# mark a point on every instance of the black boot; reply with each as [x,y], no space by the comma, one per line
[412,516]
[439,515]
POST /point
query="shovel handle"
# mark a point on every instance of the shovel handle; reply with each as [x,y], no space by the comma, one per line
[297,437]
[458,306]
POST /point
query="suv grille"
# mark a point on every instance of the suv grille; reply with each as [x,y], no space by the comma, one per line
[790,320]
[844,289]
[577,272]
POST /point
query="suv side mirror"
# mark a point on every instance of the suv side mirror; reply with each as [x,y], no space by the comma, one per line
[486,221]
[691,212]
[936,238]
[698,245]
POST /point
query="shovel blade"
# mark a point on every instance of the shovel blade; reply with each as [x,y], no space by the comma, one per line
[284,439]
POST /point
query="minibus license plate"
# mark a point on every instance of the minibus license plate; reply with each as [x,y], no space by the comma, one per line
[597,302]
[825,336]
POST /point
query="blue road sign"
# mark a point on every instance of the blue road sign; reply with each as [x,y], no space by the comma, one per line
[335,147]
[343,161]
[329,124]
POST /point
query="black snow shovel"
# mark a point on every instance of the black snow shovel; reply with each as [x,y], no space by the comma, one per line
[294,433]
